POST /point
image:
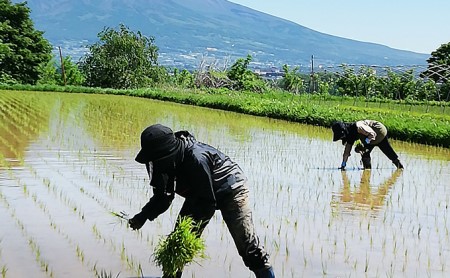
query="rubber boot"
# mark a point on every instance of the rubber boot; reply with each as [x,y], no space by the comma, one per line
[398,164]
[265,273]
[366,161]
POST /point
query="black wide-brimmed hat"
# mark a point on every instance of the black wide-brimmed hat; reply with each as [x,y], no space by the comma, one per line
[338,131]
[157,142]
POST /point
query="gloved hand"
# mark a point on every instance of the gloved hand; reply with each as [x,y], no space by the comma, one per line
[367,140]
[137,221]
[343,164]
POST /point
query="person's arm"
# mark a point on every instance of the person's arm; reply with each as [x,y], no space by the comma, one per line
[161,199]
[366,130]
[163,194]
[346,155]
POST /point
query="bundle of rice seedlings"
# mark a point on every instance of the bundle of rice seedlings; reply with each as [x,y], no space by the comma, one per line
[179,248]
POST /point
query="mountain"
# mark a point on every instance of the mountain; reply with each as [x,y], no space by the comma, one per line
[187,31]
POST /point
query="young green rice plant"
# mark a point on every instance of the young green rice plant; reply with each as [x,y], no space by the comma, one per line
[80,253]
[4,270]
[123,218]
[121,215]
[104,274]
[179,248]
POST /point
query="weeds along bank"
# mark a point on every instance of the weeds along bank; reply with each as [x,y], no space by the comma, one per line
[403,124]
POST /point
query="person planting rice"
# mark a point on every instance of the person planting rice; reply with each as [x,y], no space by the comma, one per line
[208,180]
[371,133]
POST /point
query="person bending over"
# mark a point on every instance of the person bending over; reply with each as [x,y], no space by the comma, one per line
[208,180]
[371,133]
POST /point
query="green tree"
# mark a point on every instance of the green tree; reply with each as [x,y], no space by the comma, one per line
[439,70]
[439,64]
[122,59]
[51,73]
[292,80]
[244,78]
[48,73]
[72,72]
[368,80]
[183,78]
[347,81]
[427,90]
[22,47]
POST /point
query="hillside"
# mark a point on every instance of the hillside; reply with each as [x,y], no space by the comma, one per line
[188,30]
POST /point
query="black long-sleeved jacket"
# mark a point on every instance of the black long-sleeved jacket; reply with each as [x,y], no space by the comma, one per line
[201,172]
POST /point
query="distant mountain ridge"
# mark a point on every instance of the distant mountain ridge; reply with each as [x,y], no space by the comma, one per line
[187,29]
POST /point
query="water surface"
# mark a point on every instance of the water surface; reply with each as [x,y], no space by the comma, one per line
[67,161]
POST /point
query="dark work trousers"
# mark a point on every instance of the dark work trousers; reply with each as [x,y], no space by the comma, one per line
[237,215]
[385,147]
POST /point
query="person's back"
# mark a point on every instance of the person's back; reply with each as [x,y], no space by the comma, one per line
[202,165]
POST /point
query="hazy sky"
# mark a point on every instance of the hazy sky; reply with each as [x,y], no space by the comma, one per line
[415,25]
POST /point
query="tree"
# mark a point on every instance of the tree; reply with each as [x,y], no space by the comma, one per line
[22,47]
[347,81]
[183,79]
[439,64]
[244,78]
[121,59]
[292,80]
[51,73]
[439,70]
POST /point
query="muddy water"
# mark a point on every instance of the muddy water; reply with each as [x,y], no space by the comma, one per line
[67,162]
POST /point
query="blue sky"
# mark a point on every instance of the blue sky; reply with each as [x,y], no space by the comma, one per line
[415,25]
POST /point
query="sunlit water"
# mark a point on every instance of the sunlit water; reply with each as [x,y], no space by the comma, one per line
[67,162]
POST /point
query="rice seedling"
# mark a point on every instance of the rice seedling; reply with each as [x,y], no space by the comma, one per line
[105,274]
[4,271]
[80,253]
[121,215]
[81,166]
[179,248]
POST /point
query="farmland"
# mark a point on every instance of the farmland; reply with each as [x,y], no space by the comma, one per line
[419,122]
[67,162]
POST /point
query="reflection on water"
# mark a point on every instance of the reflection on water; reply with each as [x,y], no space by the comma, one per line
[364,195]
[67,161]
[21,121]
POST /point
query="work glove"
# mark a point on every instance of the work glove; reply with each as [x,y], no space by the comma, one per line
[343,164]
[137,221]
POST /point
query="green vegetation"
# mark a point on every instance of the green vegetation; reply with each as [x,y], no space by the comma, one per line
[244,78]
[125,59]
[121,59]
[440,57]
[4,271]
[22,48]
[180,248]
[52,73]
[78,155]
[403,124]
[413,105]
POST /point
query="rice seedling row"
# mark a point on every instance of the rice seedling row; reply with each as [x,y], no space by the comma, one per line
[71,165]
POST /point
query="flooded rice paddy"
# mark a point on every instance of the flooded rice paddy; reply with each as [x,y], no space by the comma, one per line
[67,162]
